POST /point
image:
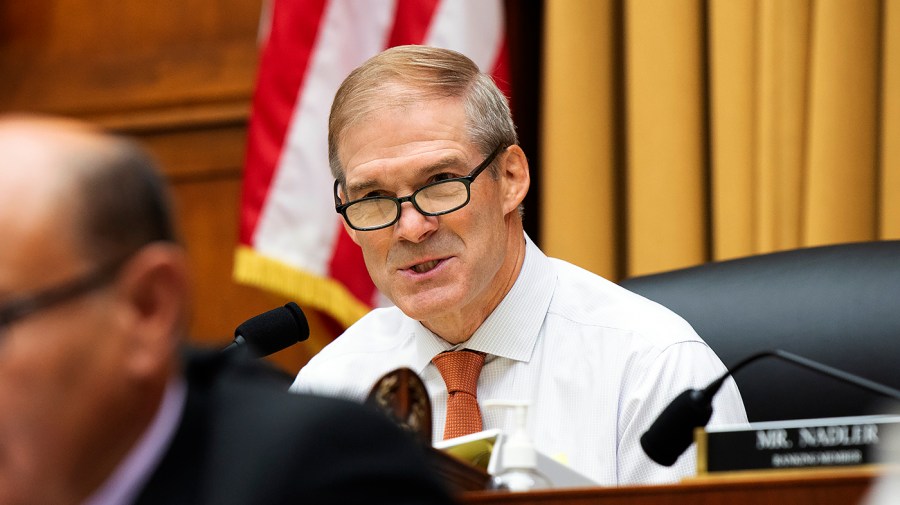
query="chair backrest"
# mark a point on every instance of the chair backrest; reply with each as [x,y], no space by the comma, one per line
[838,305]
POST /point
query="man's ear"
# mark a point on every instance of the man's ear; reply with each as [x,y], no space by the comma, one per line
[154,288]
[516,178]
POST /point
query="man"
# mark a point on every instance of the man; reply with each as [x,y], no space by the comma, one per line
[445,244]
[95,405]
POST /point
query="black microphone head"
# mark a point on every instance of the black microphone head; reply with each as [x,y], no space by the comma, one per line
[673,431]
[274,330]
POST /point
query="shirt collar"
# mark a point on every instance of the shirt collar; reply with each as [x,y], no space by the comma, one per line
[512,329]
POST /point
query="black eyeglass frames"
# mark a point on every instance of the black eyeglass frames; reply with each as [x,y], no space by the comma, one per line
[434,199]
[19,308]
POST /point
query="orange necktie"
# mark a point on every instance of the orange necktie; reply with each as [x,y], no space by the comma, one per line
[460,370]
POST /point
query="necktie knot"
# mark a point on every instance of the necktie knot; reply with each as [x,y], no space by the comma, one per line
[460,370]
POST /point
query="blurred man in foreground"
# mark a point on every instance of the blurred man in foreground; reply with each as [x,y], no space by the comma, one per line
[96,404]
[429,179]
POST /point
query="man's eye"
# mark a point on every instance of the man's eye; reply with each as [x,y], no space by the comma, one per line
[443,177]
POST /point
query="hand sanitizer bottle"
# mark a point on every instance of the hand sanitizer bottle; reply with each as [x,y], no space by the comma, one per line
[518,458]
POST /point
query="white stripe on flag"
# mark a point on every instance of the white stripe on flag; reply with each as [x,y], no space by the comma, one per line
[473,28]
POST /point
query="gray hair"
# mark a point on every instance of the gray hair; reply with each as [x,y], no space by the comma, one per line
[403,75]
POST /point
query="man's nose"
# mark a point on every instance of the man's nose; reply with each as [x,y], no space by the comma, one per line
[413,225]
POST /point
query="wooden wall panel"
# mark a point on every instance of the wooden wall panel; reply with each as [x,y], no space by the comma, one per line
[125,57]
[178,75]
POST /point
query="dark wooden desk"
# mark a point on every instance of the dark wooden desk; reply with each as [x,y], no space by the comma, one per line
[819,487]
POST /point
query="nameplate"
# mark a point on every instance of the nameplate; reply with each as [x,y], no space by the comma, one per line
[805,443]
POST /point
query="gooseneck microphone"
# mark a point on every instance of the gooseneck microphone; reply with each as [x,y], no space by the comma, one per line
[673,431]
[270,332]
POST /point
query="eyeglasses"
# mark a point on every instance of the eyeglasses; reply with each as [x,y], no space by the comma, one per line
[17,309]
[434,199]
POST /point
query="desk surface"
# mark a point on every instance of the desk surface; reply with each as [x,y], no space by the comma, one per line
[815,487]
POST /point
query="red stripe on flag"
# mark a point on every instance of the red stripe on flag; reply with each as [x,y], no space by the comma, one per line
[282,70]
[500,72]
[348,267]
[411,21]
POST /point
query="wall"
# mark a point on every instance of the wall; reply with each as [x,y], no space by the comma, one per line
[178,75]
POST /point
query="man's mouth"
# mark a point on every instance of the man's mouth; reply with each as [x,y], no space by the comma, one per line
[421,268]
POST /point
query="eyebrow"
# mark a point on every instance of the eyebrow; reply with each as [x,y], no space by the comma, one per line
[421,173]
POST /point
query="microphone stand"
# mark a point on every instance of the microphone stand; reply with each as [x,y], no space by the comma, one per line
[809,364]
[672,432]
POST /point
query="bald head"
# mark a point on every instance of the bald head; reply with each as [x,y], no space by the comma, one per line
[103,191]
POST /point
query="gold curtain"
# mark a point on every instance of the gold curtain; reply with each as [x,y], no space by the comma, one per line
[676,132]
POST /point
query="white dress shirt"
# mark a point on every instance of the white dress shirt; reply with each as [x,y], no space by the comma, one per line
[596,363]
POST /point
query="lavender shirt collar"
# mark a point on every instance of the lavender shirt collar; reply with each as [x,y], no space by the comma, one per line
[124,484]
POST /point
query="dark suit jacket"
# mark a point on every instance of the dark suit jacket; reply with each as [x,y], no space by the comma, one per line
[244,440]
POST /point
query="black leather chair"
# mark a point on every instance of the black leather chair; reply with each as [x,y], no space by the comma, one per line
[838,305]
